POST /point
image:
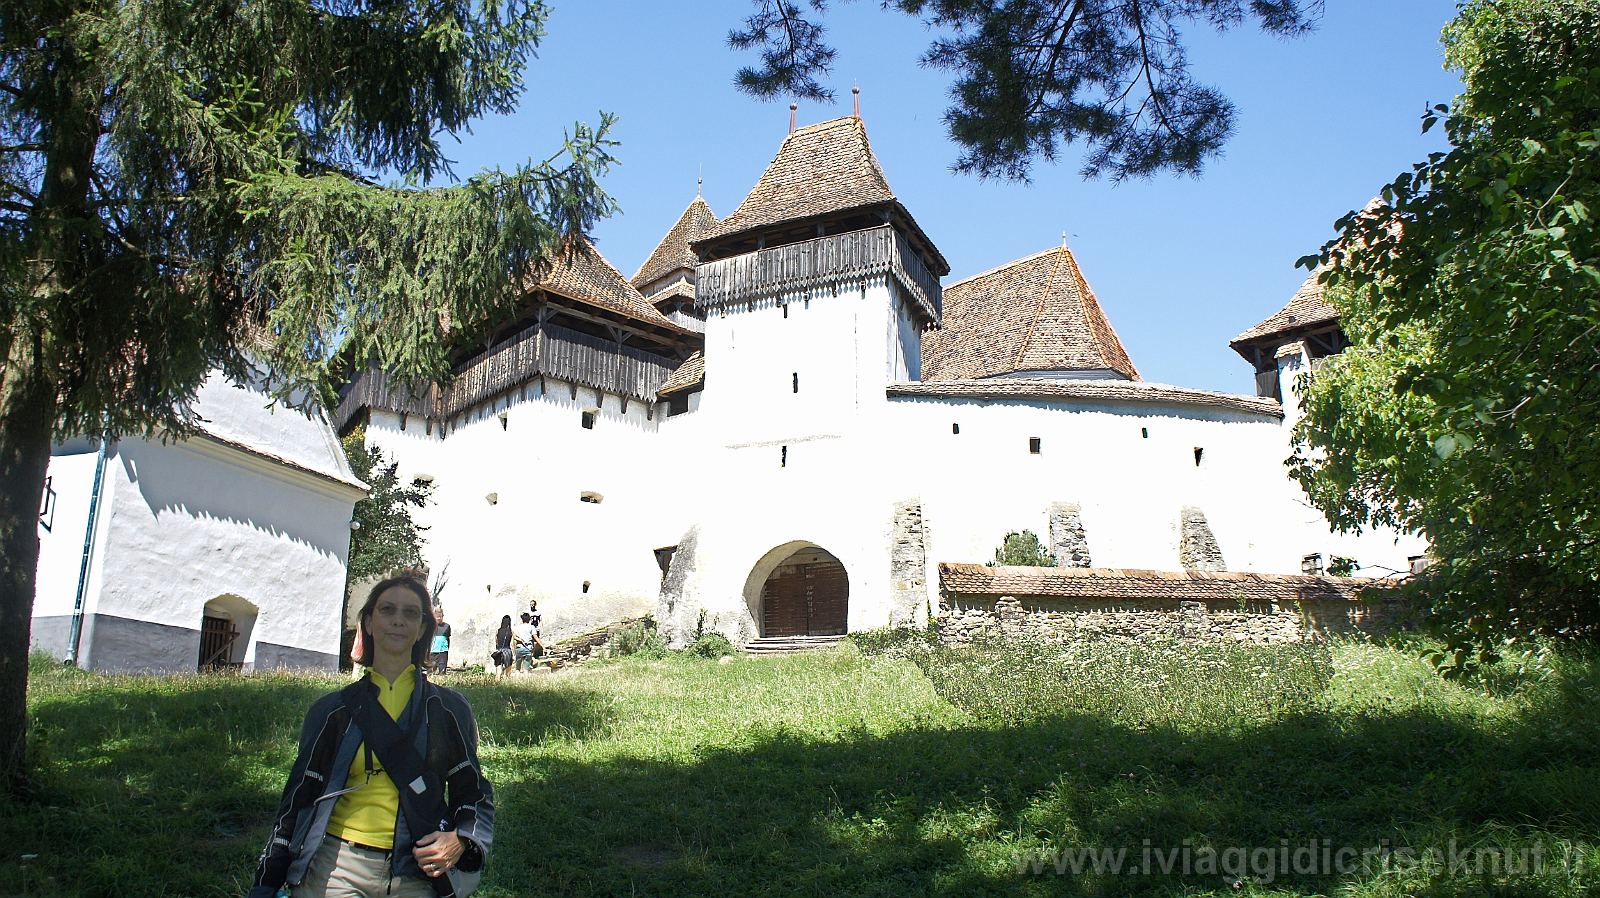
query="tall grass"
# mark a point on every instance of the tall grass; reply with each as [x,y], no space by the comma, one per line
[912,771]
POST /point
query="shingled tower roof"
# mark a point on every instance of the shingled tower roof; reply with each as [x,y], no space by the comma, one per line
[673,253]
[1306,308]
[824,174]
[1031,316]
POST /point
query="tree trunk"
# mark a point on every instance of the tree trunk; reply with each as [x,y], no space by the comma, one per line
[27,413]
[60,227]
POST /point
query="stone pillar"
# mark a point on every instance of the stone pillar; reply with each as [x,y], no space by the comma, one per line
[1194,620]
[908,564]
[1197,547]
[1068,541]
[1013,617]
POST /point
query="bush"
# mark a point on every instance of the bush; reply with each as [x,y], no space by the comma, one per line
[711,644]
[1022,549]
[895,642]
[639,638]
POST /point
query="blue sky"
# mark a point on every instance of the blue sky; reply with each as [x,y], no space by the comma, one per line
[1181,265]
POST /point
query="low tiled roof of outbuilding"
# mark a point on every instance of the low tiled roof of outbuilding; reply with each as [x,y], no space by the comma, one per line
[688,374]
[1121,584]
[583,274]
[1308,306]
[993,388]
[1034,314]
[673,252]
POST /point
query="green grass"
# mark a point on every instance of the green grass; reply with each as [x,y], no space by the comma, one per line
[909,771]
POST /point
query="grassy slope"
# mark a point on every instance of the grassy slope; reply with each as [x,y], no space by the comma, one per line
[841,775]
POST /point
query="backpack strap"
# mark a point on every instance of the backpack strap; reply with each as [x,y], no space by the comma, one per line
[421,790]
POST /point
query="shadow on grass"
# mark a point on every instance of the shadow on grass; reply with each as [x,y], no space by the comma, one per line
[945,812]
[165,786]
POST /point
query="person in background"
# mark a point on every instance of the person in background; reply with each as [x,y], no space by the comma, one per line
[503,656]
[441,642]
[534,617]
[344,829]
[523,639]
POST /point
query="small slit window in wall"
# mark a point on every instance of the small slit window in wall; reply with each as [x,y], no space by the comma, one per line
[796,377]
[783,456]
[1144,433]
[1311,565]
[590,497]
[1035,445]
[1199,455]
[588,418]
[955,428]
[586,587]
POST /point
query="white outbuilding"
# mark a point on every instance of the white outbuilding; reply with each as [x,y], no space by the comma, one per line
[223,550]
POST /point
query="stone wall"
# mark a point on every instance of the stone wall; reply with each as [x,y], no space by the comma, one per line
[908,563]
[963,619]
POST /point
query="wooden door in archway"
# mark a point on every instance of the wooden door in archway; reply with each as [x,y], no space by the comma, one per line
[808,595]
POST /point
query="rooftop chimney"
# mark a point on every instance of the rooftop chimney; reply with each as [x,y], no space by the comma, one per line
[792,108]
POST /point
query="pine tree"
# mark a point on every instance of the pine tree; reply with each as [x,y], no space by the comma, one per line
[189,184]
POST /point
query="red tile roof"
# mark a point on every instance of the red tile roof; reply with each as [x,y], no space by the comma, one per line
[689,374]
[673,252]
[1308,306]
[1034,314]
[1001,388]
[580,272]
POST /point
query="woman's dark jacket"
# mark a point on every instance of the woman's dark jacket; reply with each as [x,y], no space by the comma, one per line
[448,741]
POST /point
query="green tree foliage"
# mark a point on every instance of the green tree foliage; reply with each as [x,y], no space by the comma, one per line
[1034,77]
[187,186]
[1022,549]
[1469,408]
[387,540]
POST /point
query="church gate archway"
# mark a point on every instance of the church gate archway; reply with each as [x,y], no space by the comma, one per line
[806,594]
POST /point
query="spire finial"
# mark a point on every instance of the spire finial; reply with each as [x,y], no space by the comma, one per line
[700,183]
[792,108]
[1063,239]
[857,91]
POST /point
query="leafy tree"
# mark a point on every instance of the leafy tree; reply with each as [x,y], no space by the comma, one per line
[387,539]
[1023,549]
[183,183]
[1036,76]
[1469,407]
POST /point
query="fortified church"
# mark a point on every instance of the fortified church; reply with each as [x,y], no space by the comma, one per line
[785,424]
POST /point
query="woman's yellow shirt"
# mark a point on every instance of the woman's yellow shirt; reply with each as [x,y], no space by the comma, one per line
[367,815]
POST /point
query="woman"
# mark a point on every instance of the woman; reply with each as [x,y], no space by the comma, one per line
[345,829]
[502,648]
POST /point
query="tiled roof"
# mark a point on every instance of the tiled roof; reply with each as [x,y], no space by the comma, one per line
[1119,584]
[1086,390]
[1034,314]
[673,252]
[1306,307]
[681,288]
[688,374]
[583,274]
[821,168]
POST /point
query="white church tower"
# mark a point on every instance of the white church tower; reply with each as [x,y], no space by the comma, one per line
[815,291]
